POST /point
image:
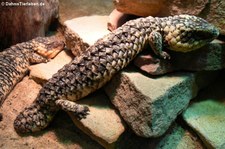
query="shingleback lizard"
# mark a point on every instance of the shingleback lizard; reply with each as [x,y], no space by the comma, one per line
[96,66]
[14,61]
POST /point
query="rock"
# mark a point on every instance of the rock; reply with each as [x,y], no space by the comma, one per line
[139,8]
[153,65]
[160,8]
[179,138]
[116,19]
[89,28]
[150,104]
[208,109]
[214,12]
[176,7]
[207,118]
[103,124]
[86,35]
[72,9]
[60,134]
[215,90]
[209,57]
[176,137]
[44,71]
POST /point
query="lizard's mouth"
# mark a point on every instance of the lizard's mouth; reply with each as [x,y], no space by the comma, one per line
[207,35]
[51,49]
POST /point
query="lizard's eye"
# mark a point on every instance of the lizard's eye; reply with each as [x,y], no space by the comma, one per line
[202,35]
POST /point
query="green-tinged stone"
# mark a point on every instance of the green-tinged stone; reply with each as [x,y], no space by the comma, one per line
[179,138]
[207,118]
[148,104]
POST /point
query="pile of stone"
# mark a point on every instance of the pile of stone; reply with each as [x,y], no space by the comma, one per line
[149,95]
[147,105]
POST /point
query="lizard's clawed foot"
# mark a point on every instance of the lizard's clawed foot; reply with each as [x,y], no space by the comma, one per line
[82,113]
[165,55]
[78,110]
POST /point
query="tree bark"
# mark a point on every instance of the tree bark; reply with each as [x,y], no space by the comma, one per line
[22,20]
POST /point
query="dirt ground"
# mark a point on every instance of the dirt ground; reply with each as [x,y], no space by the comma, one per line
[62,133]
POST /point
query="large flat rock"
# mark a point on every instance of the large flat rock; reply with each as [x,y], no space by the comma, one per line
[89,28]
[83,34]
[140,8]
[86,33]
[160,8]
[60,134]
[44,71]
[150,104]
[207,118]
[103,123]
[213,11]
[206,114]
[69,9]
[177,137]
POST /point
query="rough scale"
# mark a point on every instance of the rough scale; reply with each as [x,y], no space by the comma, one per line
[14,61]
[96,66]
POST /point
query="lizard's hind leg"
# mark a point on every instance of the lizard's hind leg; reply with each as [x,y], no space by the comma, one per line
[79,111]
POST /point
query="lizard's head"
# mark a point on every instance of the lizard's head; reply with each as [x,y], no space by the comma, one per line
[48,47]
[186,33]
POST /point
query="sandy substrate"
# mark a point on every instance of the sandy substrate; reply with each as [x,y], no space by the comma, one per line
[62,133]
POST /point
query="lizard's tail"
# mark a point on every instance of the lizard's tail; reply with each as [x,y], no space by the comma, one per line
[33,118]
[2,99]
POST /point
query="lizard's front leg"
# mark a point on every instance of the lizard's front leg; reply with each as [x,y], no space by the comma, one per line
[155,41]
